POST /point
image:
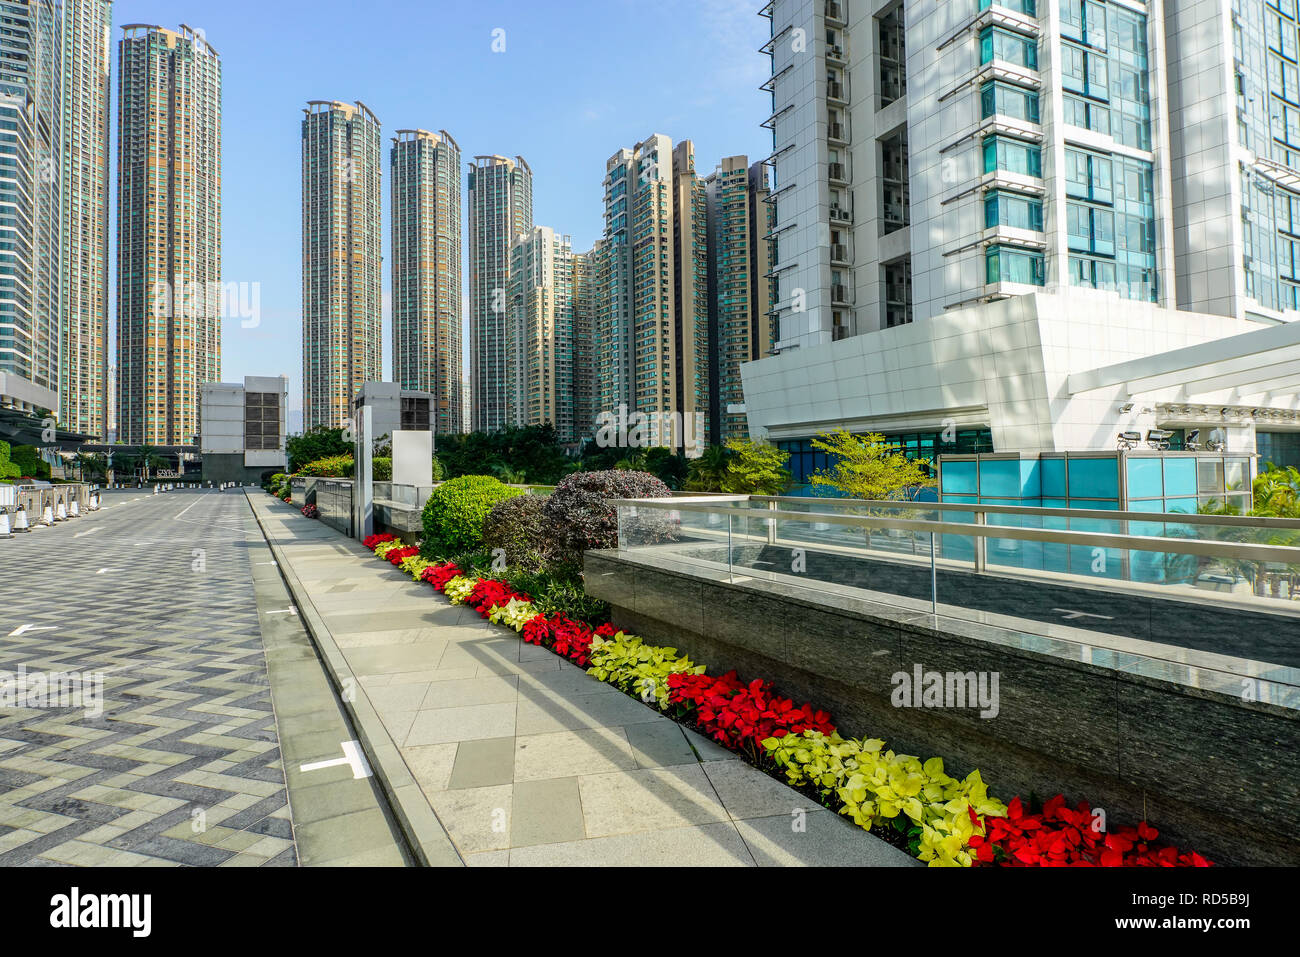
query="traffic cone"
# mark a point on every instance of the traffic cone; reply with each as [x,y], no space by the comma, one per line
[20,521]
[74,509]
[61,515]
[47,516]
[4,524]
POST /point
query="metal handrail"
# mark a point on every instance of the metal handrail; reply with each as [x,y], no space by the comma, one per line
[1181,518]
[1282,554]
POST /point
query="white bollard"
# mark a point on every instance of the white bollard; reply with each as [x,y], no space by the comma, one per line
[47,516]
[4,524]
[62,514]
[74,509]
[155,489]
[20,521]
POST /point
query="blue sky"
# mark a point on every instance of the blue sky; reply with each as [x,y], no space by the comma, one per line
[577,80]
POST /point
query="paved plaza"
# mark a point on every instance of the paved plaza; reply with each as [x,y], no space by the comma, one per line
[174,603]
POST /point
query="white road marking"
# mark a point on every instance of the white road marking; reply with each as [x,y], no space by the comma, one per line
[351,755]
[264,563]
[102,570]
[26,628]
[291,610]
[89,531]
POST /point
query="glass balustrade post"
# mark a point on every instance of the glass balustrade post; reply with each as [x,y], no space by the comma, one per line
[934,580]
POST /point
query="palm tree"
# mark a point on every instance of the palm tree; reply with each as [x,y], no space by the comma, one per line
[1277,492]
[707,472]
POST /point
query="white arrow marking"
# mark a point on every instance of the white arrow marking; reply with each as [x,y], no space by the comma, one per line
[351,755]
[102,570]
[89,531]
[26,628]
[291,610]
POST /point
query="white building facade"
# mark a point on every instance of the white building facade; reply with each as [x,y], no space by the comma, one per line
[1074,178]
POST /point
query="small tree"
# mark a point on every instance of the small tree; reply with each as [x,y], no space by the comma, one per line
[706,473]
[755,468]
[870,467]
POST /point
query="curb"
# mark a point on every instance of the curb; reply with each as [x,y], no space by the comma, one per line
[415,816]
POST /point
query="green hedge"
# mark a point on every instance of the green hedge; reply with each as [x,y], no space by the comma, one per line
[455,512]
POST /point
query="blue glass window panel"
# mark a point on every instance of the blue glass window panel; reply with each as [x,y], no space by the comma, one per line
[1000,478]
[959,478]
[1053,481]
[1094,478]
[1145,478]
[1180,476]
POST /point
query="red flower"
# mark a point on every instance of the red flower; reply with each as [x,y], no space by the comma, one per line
[1061,836]
[399,555]
[742,716]
[374,541]
[439,575]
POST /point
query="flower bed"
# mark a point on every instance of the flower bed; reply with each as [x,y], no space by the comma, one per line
[940,819]
[311,511]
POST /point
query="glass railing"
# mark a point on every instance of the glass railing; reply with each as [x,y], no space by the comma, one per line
[1216,584]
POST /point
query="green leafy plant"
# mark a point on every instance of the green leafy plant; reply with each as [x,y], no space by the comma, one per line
[456,510]
[755,468]
[8,468]
[639,669]
[870,467]
[315,444]
[707,472]
[518,527]
[579,516]
[334,466]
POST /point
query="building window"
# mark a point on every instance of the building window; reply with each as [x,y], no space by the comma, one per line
[1012,156]
[997,98]
[1028,7]
[1009,209]
[1008,264]
[1014,48]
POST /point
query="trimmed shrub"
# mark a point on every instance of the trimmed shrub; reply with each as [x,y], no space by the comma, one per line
[519,527]
[455,512]
[381,468]
[334,466]
[577,514]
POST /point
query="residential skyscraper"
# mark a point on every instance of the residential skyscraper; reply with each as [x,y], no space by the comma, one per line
[637,337]
[691,287]
[168,231]
[541,307]
[83,377]
[30,141]
[426,270]
[500,208]
[739,290]
[585,299]
[341,258]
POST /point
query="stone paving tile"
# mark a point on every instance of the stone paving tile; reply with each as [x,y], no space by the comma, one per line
[476,819]
[816,838]
[650,799]
[707,845]
[560,754]
[440,725]
[483,763]
[746,792]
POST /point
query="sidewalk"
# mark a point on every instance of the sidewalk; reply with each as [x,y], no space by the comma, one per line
[522,758]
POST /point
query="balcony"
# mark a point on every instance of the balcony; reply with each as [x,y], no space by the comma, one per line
[835,53]
[835,13]
[840,295]
[835,92]
[839,254]
[837,173]
[836,133]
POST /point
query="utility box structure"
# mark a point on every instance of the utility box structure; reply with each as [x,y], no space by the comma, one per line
[242,428]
